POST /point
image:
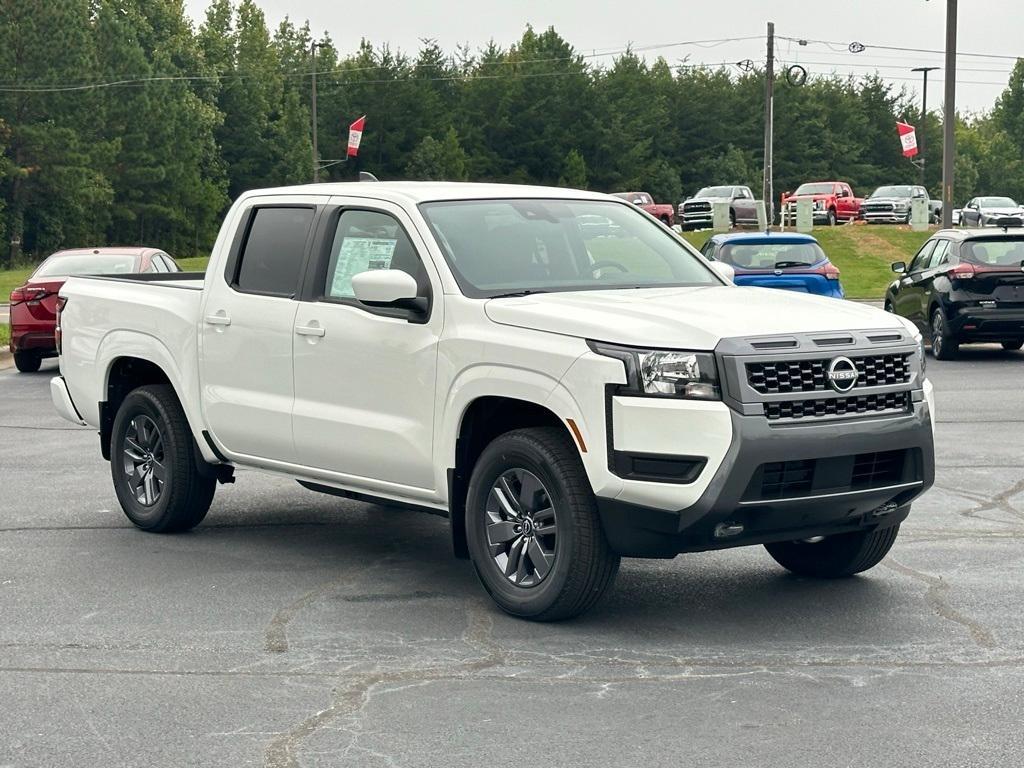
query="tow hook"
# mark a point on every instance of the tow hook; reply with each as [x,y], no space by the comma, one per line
[726,530]
[885,509]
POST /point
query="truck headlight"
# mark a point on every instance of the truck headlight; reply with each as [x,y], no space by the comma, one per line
[665,372]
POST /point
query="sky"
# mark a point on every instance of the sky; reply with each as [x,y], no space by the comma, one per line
[991,27]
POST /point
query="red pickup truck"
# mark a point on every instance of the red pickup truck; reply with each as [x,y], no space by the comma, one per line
[662,211]
[831,201]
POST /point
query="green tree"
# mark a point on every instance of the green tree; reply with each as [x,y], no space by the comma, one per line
[574,171]
[52,191]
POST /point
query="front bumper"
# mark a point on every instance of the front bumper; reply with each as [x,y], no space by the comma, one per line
[826,507]
[889,217]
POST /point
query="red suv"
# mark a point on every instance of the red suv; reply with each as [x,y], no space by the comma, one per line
[34,304]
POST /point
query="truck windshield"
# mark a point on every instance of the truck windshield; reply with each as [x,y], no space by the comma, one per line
[771,255]
[86,264]
[994,252]
[513,247]
[715,192]
[814,189]
[901,191]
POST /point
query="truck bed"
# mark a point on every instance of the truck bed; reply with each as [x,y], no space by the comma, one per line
[108,317]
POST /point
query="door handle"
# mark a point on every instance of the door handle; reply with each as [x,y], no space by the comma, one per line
[218,319]
[310,330]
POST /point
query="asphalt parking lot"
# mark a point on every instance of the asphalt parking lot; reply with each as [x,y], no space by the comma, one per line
[293,629]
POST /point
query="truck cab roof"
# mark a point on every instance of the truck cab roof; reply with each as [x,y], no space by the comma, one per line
[429,191]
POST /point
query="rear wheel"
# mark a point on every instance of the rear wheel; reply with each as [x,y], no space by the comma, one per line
[835,556]
[27,362]
[1011,346]
[153,463]
[533,529]
[944,345]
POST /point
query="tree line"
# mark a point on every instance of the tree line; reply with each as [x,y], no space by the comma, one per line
[122,122]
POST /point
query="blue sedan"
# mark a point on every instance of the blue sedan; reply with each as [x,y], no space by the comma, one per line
[791,262]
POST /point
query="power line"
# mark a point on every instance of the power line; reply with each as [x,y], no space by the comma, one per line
[835,45]
[135,81]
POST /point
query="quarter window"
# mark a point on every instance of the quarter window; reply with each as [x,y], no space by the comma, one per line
[366,240]
[271,260]
[940,255]
[921,259]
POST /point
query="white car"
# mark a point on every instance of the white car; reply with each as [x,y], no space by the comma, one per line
[564,398]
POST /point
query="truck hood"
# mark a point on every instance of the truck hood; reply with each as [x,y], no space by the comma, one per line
[793,198]
[689,318]
[708,200]
[903,200]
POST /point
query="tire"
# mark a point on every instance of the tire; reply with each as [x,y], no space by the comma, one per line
[944,345]
[665,220]
[888,307]
[575,566]
[180,500]
[732,219]
[1012,346]
[831,217]
[27,362]
[835,557]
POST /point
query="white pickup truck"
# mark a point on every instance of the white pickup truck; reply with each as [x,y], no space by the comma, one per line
[555,371]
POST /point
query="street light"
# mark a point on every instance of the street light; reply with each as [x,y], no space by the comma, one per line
[924,112]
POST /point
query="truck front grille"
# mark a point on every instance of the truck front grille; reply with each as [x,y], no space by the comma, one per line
[835,474]
[888,402]
[780,377]
[877,208]
[696,207]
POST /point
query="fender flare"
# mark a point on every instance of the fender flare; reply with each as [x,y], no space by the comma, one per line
[123,343]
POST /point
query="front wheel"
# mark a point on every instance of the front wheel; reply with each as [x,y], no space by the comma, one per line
[831,218]
[153,463]
[1012,346]
[944,345]
[27,362]
[836,556]
[533,529]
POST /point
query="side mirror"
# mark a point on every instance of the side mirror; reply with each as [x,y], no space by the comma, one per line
[899,267]
[724,270]
[638,201]
[387,288]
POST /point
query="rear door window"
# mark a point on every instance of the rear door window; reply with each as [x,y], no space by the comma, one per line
[271,258]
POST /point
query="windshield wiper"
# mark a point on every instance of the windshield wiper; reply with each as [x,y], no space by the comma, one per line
[517,294]
[784,264]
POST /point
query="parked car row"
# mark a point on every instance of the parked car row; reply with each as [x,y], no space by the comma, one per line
[34,304]
[833,202]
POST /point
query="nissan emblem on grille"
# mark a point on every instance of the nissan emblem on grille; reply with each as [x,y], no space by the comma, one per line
[842,374]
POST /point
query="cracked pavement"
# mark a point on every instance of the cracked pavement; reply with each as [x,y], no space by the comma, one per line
[293,629]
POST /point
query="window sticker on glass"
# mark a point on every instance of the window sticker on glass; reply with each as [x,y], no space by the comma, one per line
[359,254]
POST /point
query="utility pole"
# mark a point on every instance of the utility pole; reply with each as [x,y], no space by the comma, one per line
[316,151]
[924,113]
[949,116]
[769,96]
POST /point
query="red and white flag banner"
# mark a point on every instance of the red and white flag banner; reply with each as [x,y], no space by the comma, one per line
[908,138]
[355,135]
